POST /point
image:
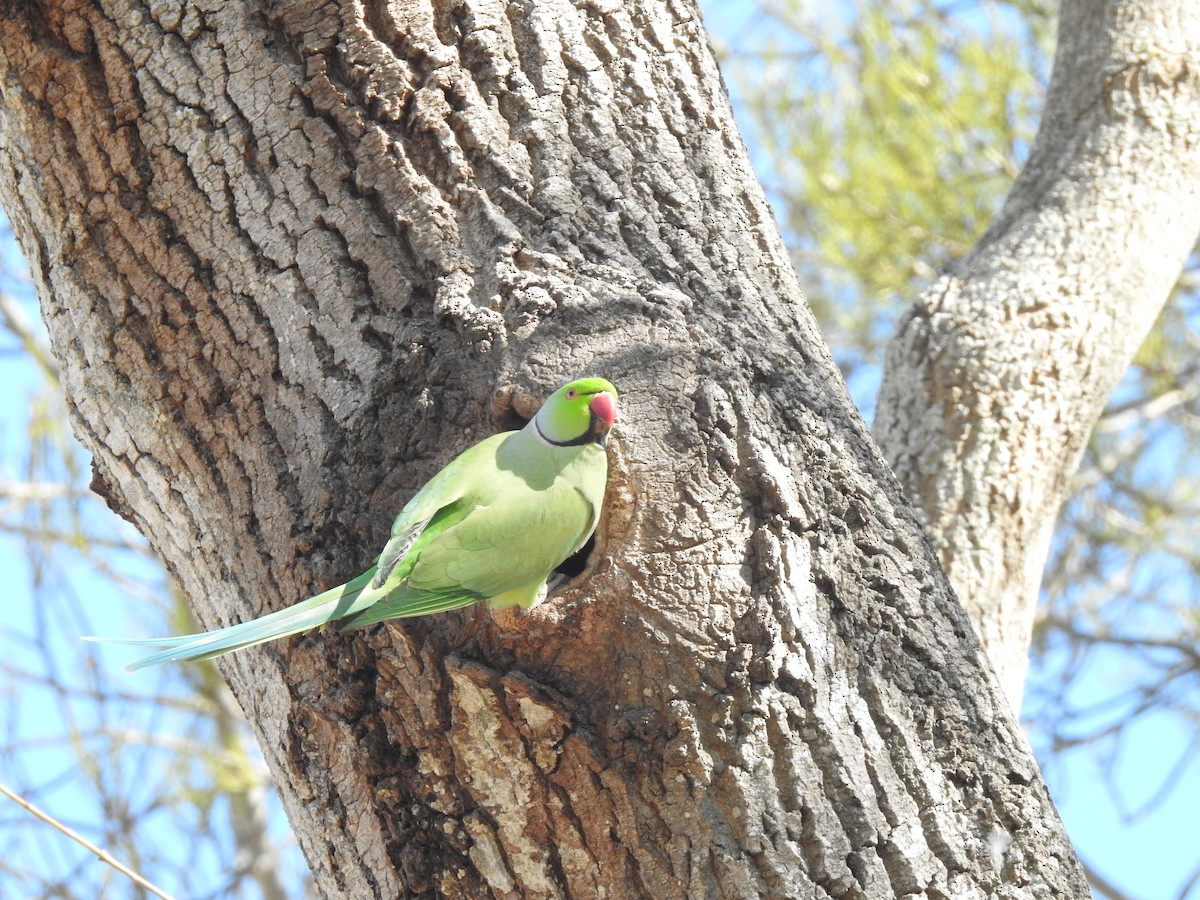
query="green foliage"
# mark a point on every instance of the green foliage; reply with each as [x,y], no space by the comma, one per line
[892,152]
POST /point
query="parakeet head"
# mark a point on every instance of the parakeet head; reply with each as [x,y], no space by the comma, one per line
[581,412]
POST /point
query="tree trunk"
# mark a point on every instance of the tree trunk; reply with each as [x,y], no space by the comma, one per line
[295,256]
[999,371]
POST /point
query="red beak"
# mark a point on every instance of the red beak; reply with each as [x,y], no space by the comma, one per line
[604,407]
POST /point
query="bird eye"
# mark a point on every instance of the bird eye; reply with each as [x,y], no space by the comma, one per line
[571,394]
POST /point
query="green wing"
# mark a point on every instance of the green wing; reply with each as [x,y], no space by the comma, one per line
[515,511]
[491,525]
[504,546]
[436,506]
[441,498]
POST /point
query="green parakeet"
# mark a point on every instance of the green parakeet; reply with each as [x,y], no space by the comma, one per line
[491,526]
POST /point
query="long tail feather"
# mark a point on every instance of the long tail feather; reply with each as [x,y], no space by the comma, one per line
[407,604]
[344,600]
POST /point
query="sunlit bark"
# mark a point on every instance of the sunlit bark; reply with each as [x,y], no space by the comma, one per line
[292,257]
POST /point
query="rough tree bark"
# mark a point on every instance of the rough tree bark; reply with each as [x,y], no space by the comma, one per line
[294,255]
[1000,370]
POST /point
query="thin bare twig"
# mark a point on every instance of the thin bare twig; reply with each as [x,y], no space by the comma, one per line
[18,323]
[1102,884]
[102,855]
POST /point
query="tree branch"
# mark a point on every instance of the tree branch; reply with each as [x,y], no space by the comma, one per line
[1001,368]
[101,854]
